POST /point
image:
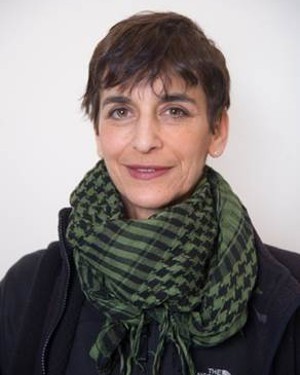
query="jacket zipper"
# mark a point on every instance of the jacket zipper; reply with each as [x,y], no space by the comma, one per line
[64,300]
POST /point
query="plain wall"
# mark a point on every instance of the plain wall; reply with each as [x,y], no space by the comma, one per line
[47,145]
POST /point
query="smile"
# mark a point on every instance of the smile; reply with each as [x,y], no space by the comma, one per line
[140,172]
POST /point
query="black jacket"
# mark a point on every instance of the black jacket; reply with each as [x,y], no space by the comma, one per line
[47,326]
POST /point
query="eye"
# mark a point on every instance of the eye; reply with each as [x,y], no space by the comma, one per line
[177,112]
[118,113]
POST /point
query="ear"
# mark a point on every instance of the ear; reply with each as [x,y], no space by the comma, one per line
[219,136]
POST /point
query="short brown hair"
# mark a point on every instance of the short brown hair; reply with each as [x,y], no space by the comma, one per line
[151,45]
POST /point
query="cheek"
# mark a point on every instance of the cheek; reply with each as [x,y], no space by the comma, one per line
[108,143]
[194,148]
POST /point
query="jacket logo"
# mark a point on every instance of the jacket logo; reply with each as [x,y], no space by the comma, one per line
[214,371]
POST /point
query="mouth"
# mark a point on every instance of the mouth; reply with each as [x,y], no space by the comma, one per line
[142,172]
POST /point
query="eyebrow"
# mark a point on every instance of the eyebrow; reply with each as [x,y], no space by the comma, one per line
[115,99]
[167,98]
[177,98]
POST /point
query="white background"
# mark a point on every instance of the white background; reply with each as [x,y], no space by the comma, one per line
[46,144]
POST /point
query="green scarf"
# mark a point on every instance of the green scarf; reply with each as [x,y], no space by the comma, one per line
[190,267]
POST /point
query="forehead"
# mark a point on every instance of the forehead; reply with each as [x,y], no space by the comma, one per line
[160,88]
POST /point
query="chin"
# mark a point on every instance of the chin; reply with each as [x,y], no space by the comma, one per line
[146,206]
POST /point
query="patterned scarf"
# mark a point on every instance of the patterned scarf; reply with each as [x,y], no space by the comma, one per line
[190,267]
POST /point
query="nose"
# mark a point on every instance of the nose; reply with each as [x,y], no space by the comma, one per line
[147,135]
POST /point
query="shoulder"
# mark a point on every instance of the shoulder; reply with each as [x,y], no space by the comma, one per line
[16,286]
[15,293]
[23,272]
[274,308]
[278,266]
[287,358]
[19,278]
[289,259]
[277,293]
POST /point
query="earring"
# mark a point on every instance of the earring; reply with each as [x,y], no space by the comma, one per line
[216,154]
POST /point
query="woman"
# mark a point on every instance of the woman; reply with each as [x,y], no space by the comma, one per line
[158,269]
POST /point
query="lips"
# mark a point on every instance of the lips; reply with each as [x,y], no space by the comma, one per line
[142,172]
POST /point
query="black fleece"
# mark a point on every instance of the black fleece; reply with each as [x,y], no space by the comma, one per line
[47,326]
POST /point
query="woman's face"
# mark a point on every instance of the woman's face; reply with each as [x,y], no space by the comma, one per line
[155,143]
